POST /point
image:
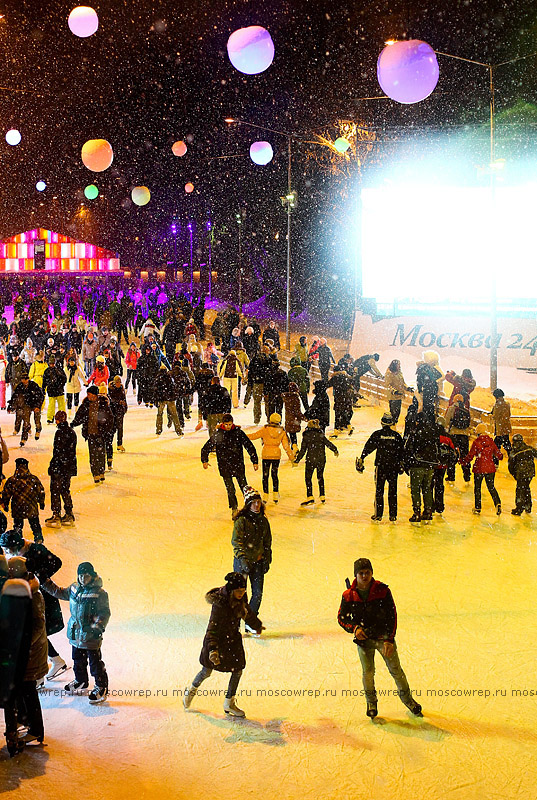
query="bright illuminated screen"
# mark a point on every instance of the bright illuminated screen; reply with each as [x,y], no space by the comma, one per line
[436,243]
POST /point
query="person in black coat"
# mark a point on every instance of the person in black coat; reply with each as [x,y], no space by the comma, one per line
[257,373]
[222,646]
[421,456]
[182,391]
[522,468]
[320,407]
[276,384]
[201,386]
[54,380]
[326,358]
[389,448]
[146,372]
[217,403]
[229,442]
[27,398]
[62,468]
[165,397]
[44,564]
[271,334]
[118,407]
[314,444]
[97,422]
[341,384]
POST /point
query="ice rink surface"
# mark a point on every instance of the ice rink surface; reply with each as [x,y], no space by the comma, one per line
[158,532]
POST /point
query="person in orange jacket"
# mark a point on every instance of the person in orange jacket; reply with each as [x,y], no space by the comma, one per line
[273,437]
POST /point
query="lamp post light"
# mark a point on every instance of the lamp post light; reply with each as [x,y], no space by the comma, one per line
[190,226]
[238,218]
[210,234]
[174,231]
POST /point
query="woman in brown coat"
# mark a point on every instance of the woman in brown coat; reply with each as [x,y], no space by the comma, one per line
[293,414]
[222,646]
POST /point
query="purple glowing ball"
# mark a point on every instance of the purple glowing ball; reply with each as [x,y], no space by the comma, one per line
[251,50]
[261,153]
[408,71]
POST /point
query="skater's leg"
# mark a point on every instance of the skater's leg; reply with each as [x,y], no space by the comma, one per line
[438,490]
[160,412]
[392,493]
[415,488]
[55,498]
[478,480]
[32,706]
[266,469]
[308,477]
[26,426]
[320,479]
[172,412]
[80,664]
[257,579]
[233,684]
[366,651]
[380,480]
[275,479]
[230,488]
[97,668]
[65,491]
[180,415]
[396,671]
[240,475]
[35,526]
[257,392]
[203,674]
[395,409]
[51,650]
[427,489]
[489,480]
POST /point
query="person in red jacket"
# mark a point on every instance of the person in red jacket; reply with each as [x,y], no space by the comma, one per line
[131,360]
[486,456]
[368,611]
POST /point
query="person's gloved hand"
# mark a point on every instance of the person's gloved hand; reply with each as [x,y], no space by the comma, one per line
[214,657]
[360,466]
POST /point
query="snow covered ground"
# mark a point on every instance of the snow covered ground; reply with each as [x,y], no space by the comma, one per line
[158,532]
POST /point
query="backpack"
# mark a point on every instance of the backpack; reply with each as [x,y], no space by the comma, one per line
[448,456]
[461,418]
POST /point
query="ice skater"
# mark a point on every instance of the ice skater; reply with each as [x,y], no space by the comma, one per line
[314,444]
[368,611]
[272,435]
[90,612]
[252,545]
[522,468]
[487,455]
[222,648]
[388,444]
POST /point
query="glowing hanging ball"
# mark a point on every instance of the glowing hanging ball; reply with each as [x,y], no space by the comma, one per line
[140,195]
[179,149]
[408,71]
[341,144]
[97,154]
[91,192]
[13,137]
[83,21]
[251,50]
[189,187]
[261,153]
[41,186]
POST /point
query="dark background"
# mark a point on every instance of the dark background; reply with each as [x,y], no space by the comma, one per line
[157,72]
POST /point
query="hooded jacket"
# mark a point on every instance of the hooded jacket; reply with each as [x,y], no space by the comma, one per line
[293,414]
[105,418]
[37,666]
[26,493]
[223,631]
[320,407]
[521,463]
[90,611]
[272,436]
[37,370]
[251,539]
[29,396]
[299,375]
[501,414]
[486,455]
[229,447]
[217,401]
[63,461]
[377,616]
[314,444]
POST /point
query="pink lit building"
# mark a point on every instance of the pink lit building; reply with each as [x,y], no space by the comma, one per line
[46,251]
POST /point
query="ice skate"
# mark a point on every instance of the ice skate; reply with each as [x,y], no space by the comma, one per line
[275,496]
[120,448]
[499,509]
[97,695]
[199,426]
[416,517]
[68,520]
[31,738]
[309,501]
[393,519]
[76,687]
[109,466]
[372,709]
[427,515]
[189,694]
[231,708]
[57,667]
[350,431]
[21,444]
[517,512]
[265,497]
[376,518]
[14,744]
[54,521]
[415,709]
[37,435]
[322,498]
[476,511]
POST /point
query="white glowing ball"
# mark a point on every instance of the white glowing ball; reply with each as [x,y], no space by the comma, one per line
[179,149]
[189,188]
[408,71]
[251,50]
[13,137]
[97,154]
[83,21]
[261,153]
[140,195]
[41,186]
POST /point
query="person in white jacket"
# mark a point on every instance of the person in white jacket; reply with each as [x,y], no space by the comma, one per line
[76,377]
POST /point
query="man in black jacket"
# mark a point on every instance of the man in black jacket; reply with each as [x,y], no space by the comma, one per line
[217,403]
[229,443]
[164,394]
[54,379]
[26,398]
[314,444]
[61,469]
[257,372]
[388,465]
[421,456]
[368,611]
[522,468]
[97,420]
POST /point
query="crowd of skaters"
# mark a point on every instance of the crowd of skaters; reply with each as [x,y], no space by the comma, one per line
[169,358]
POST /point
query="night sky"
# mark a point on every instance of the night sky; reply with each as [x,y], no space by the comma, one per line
[158,72]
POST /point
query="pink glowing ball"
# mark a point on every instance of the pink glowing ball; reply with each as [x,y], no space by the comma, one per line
[261,153]
[189,188]
[83,21]
[408,71]
[179,149]
[97,155]
[251,50]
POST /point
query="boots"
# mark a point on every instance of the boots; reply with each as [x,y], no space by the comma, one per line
[427,515]
[14,744]
[54,521]
[265,497]
[57,666]
[275,496]
[231,708]
[416,516]
[189,694]
[309,501]
[372,709]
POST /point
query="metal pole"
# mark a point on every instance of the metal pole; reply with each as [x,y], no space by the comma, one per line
[240,267]
[191,268]
[288,285]
[210,263]
[493,302]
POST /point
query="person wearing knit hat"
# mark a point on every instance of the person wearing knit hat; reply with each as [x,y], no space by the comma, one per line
[389,450]
[26,399]
[118,406]
[293,414]
[54,380]
[273,437]
[252,545]
[90,612]
[458,421]
[26,494]
[314,444]
[97,421]
[367,611]
[341,384]
[487,456]
[222,647]
[501,415]
[62,467]
[229,442]
[522,468]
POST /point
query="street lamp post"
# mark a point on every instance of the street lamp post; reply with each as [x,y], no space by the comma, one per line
[174,231]
[210,233]
[238,218]
[191,263]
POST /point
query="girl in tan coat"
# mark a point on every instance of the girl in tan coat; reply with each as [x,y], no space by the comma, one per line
[273,437]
